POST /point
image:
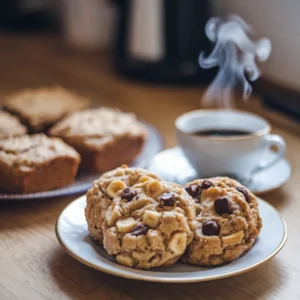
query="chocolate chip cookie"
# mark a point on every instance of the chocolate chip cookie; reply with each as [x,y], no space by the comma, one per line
[227,219]
[100,196]
[149,225]
[249,197]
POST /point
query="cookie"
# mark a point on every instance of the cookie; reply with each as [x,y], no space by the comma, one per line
[100,196]
[41,108]
[149,225]
[249,197]
[104,137]
[227,225]
[10,126]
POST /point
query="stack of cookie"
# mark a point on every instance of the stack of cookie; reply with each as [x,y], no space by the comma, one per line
[145,222]
[47,134]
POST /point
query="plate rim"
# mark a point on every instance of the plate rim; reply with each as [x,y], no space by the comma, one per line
[171,280]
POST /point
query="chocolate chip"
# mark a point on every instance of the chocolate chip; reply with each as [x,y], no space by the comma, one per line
[206,184]
[210,228]
[168,199]
[193,190]
[222,206]
[139,229]
[128,194]
[244,192]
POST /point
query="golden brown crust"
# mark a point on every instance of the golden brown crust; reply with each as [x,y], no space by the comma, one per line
[105,137]
[36,163]
[10,126]
[41,108]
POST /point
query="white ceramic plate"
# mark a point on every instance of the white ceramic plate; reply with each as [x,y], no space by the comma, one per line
[171,165]
[72,233]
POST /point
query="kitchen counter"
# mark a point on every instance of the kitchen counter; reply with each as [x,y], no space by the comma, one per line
[32,263]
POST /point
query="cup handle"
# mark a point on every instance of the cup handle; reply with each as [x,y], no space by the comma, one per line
[279,143]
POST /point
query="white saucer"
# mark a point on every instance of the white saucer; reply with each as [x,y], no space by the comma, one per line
[171,165]
[72,233]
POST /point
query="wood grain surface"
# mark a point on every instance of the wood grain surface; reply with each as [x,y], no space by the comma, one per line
[32,263]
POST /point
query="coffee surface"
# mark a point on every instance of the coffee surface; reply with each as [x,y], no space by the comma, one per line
[221,132]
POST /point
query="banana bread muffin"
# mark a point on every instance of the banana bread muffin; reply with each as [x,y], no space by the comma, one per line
[41,108]
[227,225]
[149,224]
[100,196]
[10,126]
[36,163]
[104,137]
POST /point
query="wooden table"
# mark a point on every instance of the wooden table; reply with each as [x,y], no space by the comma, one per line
[32,263]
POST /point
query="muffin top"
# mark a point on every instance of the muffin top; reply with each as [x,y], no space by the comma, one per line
[44,106]
[94,127]
[32,150]
[10,126]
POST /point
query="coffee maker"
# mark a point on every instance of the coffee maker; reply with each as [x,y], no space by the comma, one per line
[160,40]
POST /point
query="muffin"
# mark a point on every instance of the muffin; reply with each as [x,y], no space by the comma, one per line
[227,223]
[149,225]
[10,126]
[104,137]
[100,196]
[41,108]
[35,163]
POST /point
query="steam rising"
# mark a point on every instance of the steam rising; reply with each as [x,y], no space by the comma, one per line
[235,54]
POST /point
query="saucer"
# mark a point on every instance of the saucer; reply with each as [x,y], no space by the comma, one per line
[171,165]
[73,235]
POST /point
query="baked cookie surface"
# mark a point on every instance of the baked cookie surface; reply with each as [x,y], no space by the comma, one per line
[41,108]
[227,225]
[34,163]
[100,196]
[149,225]
[248,195]
[10,126]
[105,137]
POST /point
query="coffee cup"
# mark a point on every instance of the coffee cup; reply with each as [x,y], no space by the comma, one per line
[227,142]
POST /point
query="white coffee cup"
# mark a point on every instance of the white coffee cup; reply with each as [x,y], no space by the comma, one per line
[239,156]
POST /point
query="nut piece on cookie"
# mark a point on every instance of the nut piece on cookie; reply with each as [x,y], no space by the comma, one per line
[100,196]
[151,218]
[228,221]
[162,231]
[115,186]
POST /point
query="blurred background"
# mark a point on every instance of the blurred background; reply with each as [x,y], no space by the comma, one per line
[104,47]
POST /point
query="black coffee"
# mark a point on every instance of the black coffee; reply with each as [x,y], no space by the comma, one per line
[221,132]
